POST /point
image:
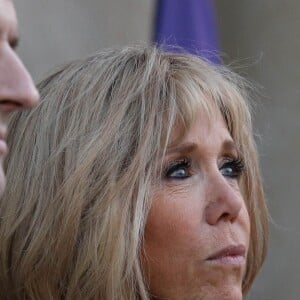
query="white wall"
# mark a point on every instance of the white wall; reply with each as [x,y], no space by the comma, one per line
[264,35]
[54,31]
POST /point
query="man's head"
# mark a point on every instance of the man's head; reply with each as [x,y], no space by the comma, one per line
[17,89]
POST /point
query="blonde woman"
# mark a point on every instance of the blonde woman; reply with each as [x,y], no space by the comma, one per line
[135,178]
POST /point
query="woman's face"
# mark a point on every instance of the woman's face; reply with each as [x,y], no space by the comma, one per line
[198,229]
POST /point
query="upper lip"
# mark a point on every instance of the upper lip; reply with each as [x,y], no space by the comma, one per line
[232,250]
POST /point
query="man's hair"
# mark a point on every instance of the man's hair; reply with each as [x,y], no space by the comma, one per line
[83,164]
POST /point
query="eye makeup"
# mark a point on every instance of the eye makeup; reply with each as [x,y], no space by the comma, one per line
[178,169]
[232,167]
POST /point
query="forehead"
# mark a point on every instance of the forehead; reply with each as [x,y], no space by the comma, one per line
[201,119]
[8,19]
[208,130]
[206,133]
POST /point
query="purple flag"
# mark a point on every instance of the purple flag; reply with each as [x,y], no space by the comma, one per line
[188,24]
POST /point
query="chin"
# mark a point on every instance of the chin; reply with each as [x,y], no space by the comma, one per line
[217,293]
[229,293]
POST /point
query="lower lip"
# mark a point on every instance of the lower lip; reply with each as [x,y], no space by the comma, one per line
[3,147]
[234,260]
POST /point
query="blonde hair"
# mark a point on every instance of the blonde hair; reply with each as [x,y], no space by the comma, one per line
[81,166]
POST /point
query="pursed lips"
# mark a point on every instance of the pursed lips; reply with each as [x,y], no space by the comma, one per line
[229,255]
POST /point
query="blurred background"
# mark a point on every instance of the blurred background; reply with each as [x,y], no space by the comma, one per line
[260,38]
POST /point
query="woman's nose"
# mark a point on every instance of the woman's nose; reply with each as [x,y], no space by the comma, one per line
[17,89]
[224,201]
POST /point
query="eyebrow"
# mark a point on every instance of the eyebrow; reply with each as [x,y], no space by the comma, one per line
[183,148]
[228,146]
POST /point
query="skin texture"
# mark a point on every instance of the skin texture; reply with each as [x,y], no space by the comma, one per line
[17,90]
[193,218]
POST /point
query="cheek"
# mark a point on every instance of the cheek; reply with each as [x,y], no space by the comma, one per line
[171,237]
[174,236]
[245,223]
[174,220]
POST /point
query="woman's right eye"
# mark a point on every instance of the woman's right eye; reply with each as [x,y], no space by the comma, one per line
[178,170]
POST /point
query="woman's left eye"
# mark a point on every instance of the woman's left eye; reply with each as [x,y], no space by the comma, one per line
[232,168]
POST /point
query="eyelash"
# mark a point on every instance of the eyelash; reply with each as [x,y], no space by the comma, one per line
[236,165]
[177,165]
